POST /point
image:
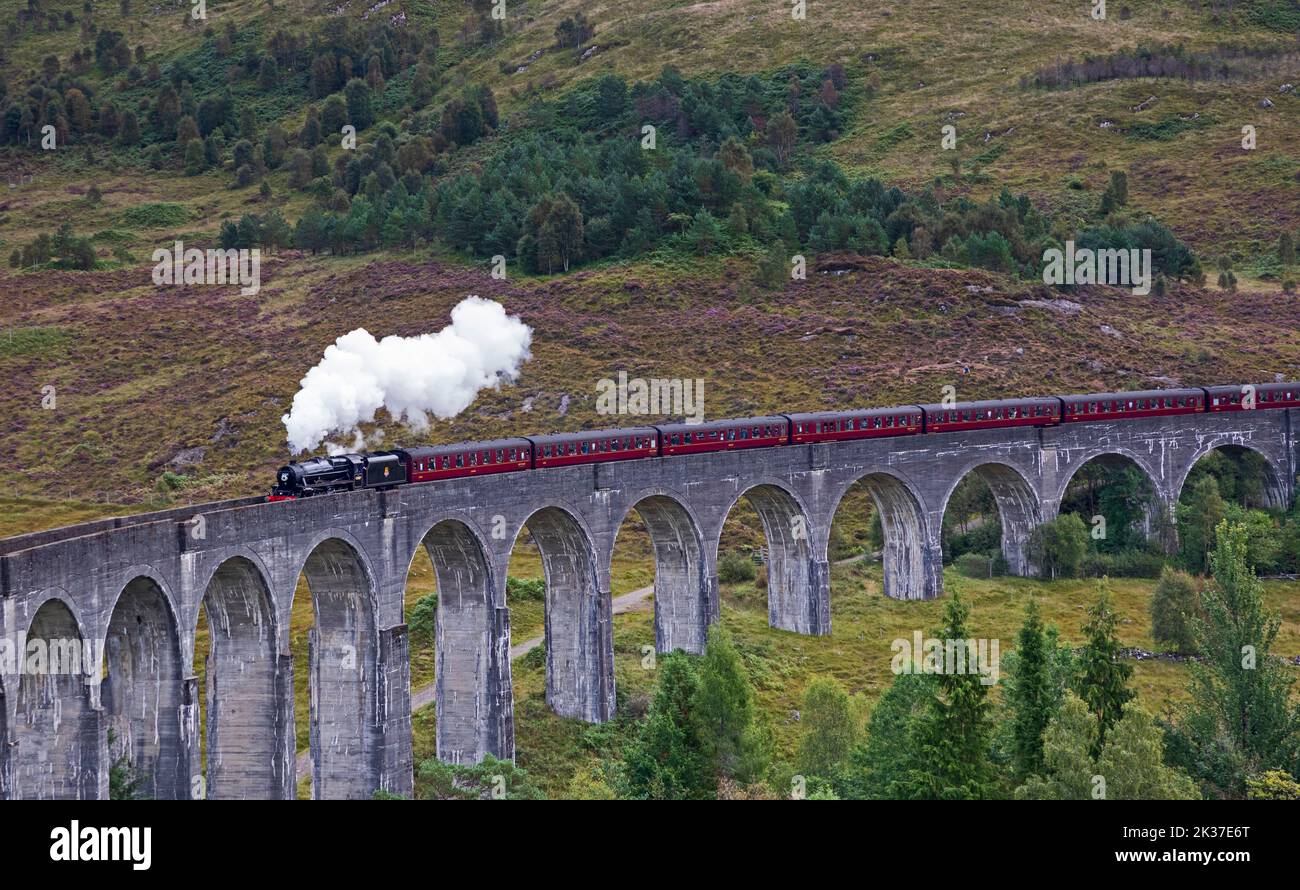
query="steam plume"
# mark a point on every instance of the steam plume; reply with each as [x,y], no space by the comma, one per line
[410,377]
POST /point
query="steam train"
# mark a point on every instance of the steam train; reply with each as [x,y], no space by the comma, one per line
[401,466]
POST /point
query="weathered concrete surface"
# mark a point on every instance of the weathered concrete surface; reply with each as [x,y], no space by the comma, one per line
[244,560]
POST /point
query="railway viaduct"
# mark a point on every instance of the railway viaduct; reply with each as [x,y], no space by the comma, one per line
[125,595]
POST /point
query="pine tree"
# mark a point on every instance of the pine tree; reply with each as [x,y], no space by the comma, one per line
[1103,678]
[1031,693]
[1240,721]
[952,737]
[736,742]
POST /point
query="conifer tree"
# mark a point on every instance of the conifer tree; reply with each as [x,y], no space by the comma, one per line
[1031,693]
[952,737]
[668,761]
[1103,678]
[1241,720]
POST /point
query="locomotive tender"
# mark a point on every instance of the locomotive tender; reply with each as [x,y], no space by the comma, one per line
[401,466]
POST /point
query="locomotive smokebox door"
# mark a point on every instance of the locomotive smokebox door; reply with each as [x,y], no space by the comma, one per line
[385,469]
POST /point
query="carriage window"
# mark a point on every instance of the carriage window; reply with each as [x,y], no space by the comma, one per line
[744,434]
[460,460]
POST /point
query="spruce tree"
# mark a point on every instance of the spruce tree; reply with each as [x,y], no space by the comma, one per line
[952,737]
[1031,693]
[1103,678]
[878,766]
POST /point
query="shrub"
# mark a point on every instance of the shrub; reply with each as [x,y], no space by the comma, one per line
[525,589]
[423,619]
[735,568]
[1122,564]
[1174,605]
[1058,546]
[974,565]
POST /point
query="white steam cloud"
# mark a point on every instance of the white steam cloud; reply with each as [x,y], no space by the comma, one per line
[411,377]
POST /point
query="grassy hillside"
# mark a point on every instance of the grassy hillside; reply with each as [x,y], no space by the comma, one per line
[193,380]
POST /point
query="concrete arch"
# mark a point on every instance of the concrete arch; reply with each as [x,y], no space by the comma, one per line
[1018,508]
[1107,454]
[579,634]
[1277,487]
[342,669]
[143,691]
[1113,457]
[472,648]
[249,688]
[912,558]
[57,727]
[798,584]
[685,595]
[59,595]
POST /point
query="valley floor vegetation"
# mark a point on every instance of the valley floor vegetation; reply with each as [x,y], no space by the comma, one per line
[1065,722]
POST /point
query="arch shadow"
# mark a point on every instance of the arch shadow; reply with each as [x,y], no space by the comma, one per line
[56,727]
[248,687]
[471,649]
[910,566]
[1018,509]
[1155,519]
[1276,492]
[684,600]
[798,591]
[342,662]
[143,692]
[579,635]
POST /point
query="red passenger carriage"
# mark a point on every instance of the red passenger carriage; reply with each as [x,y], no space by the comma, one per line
[1123,405]
[467,459]
[869,423]
[565,449]
[1267,395]
[723,435]
[992,414]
